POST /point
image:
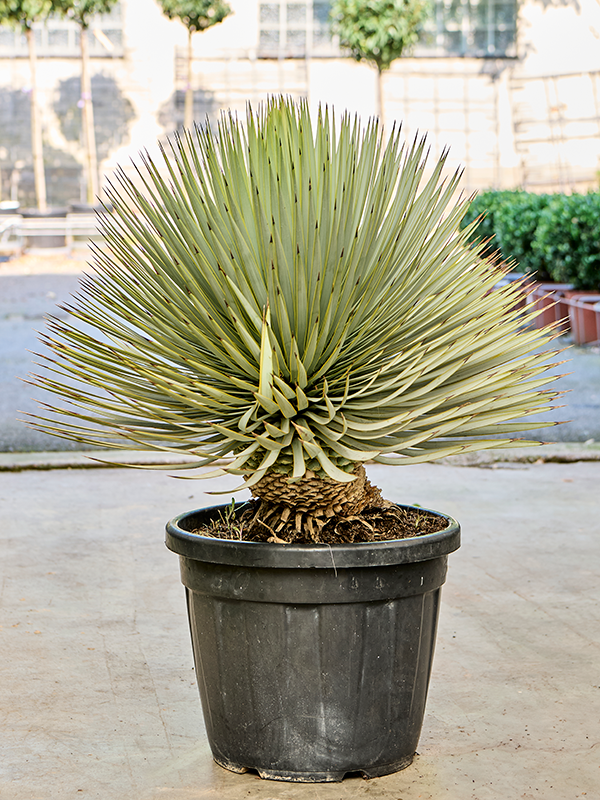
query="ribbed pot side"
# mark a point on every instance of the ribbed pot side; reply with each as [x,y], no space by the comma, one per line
[312,661]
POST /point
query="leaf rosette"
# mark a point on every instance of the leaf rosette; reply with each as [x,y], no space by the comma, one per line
[293,298]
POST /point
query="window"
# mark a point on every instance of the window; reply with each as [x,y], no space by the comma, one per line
[295,29]
[475,28]
[60,37]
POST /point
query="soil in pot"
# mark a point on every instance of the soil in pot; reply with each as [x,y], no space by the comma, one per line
[375,523]
[316,510]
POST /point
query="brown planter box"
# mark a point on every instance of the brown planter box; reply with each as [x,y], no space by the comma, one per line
[584,316]
[521,298]
[550,297]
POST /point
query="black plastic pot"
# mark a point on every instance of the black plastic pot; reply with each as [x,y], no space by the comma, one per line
[45,240]
[312,661]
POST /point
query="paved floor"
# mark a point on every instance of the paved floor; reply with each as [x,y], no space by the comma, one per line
[97,687]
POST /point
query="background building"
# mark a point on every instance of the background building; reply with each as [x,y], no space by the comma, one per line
[512,88]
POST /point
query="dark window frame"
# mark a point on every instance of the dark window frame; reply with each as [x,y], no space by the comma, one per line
[293,34]
[59,38]
[458,28]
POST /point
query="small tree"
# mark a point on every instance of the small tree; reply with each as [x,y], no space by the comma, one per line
[23,14]
[82,11]
[378,31]
[196,15]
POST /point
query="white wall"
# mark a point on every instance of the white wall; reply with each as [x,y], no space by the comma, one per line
[484,109]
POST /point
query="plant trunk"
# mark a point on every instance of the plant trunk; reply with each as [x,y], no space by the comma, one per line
[379,97]
[312,495]
[309,502]
[87,119]
[188,118]
[36,128]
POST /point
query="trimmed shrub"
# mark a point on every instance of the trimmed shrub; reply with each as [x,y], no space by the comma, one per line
[556,237]
[486,205]
[516,221]
[567,239]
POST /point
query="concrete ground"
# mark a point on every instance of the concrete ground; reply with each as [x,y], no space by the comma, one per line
[97,687]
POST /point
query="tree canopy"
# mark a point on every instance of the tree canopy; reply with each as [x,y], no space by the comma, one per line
[196,15]
[82,11]
[23,13]
[379,31]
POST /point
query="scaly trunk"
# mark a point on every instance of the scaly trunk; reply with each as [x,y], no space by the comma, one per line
[305,506]
[316,497]
[188,118]
[36,128]
[87,119]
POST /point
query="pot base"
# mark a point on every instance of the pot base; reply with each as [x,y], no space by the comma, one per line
[317,777]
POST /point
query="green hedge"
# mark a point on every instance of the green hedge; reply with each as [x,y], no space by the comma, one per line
[556,237]
[485,205]
[517,224]
[568,238]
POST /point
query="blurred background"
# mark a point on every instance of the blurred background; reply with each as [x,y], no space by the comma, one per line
[511,87]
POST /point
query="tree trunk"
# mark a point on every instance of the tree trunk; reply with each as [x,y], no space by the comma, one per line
[188,118]
[36,128]
[87,119]
[379,97]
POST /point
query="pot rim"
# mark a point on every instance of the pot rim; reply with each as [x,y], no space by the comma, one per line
[318,556]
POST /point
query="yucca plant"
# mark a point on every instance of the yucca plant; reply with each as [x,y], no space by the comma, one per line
[291,301]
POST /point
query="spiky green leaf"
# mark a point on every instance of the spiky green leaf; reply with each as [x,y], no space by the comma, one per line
[292,292]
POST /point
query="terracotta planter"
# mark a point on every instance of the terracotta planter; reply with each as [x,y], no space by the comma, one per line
[584,316]
[551,298]
[525,289]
